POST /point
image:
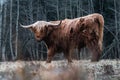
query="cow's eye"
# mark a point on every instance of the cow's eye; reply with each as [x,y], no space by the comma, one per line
[34,30]
[41,31]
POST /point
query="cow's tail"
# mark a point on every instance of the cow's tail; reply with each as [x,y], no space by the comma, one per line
[101,28]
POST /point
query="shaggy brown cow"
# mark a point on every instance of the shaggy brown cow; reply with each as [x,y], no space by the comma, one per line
[69,34]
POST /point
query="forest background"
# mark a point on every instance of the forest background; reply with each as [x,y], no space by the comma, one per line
[18,43]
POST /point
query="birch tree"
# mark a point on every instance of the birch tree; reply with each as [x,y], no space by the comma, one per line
[78,9]
[16,40]
[3,34]
[38,10]
[71,8]
[57,9]
[0,26]
[10,40]
[116,30]
[65,9]
[31,11]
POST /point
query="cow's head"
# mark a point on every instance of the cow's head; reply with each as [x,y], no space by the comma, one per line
[41,28]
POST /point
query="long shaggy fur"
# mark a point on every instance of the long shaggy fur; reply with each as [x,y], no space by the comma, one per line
[75,33]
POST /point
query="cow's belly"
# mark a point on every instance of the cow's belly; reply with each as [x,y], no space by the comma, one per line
[60,48]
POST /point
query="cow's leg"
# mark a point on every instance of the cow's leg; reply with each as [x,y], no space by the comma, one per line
[96,51]
[50,55]
[68,55]
[75,54]
[79,50]
[81,45]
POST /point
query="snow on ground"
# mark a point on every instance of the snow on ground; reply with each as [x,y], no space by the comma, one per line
[60,70]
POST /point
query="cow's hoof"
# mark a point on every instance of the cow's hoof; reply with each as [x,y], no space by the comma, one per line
[70,61]
[94,60]
[48,61]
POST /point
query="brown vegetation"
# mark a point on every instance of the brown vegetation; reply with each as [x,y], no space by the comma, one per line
[60,70]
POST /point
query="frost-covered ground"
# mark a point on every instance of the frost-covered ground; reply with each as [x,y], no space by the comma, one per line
[60,70]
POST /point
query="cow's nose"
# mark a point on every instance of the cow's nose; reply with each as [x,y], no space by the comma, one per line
[37,36]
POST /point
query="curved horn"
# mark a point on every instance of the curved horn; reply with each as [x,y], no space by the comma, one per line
[54,24]
[28,26]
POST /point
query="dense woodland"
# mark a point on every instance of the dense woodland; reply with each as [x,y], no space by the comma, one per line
[18,43]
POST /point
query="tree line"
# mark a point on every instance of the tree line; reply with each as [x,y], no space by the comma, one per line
[18,43]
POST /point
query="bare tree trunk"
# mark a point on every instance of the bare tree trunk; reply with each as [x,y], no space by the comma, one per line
[45,17]
[3,42]
[16,40]
[117,30]
[57,10]
[115,17]
[65,8]
[5,35]
[101,5]
[78,8]
[10,40]
[92,6]
[89,7]
[32,50]
[81,12]
[0,28]
[71,8]
[30,11]
[38,10]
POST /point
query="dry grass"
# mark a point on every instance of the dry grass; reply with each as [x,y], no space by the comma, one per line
[60,70]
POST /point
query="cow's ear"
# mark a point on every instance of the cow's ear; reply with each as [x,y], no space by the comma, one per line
[48,29]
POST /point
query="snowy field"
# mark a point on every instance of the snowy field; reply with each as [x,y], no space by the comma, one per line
[60,70]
